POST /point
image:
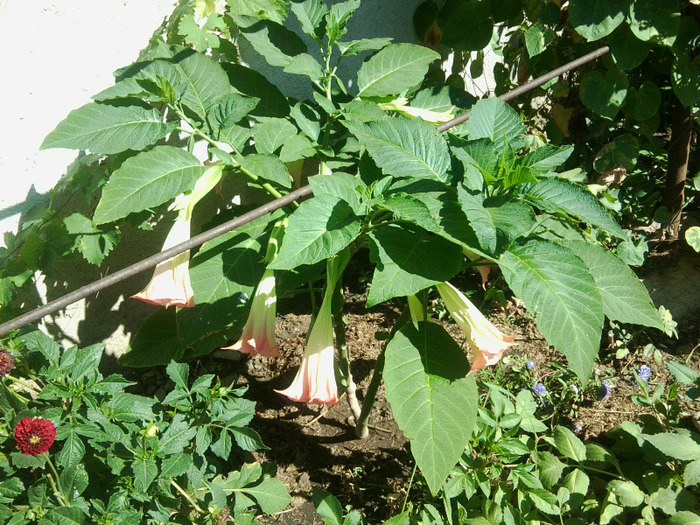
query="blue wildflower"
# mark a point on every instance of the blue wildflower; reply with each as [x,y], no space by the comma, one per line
[604,390]
[644,373]
[531,364]
[539,390]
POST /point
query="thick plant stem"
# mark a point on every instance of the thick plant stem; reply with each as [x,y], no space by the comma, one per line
[362,423]
[341,344]
[678,154]
[344,355]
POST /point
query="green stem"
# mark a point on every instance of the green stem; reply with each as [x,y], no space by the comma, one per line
[344,355]
[362,423]
[408,490]
[185,495]
[56,491]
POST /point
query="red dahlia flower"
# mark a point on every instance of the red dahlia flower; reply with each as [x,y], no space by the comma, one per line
[34,435]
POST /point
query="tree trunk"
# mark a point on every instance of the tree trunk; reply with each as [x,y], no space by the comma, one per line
[678,153]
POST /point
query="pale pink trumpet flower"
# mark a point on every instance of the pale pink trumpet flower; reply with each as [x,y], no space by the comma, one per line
[170,284]
[258,337]
[315,380]
[486,341]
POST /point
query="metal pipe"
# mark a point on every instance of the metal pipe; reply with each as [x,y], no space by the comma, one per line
[150,262]
[536,82]
[198,240]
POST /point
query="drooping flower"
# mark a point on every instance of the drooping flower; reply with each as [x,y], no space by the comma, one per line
[487,342]
[605,390]
[315,379]
[644,373]
[170,284]
[7,362]
[258,337]
[34,435]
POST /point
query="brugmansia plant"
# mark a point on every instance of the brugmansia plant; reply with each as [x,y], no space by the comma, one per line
[383,179]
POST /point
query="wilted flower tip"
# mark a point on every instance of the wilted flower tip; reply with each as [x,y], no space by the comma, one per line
[7,362]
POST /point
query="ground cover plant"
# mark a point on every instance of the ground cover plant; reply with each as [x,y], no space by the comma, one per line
[188,137]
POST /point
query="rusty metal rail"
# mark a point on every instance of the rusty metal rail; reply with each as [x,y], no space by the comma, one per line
[198,240]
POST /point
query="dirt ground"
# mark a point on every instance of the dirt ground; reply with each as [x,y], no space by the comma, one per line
[315,446]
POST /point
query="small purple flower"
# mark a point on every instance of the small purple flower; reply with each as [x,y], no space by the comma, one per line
[539,390]
[604,390]
[578,427]
[644,373]
[531,364]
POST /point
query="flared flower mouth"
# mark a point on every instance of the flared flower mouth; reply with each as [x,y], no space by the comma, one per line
[34,435]
[258,337]
[315,379]
[487,342]
[170,284]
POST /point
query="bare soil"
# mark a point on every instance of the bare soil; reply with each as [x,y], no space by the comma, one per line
[314,446]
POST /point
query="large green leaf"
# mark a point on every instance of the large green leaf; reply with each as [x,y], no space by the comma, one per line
[627,50]
[267,168]
[394,69]
[105,129]
[310,14]
[496,223]
[493,119]
[275,43]
[433,402]
[595,19]
[651,20]
[407,263]
[466,26]
[270,494]
[676,446]
[206,81]
[625,299]
[684,75]
[604,95]
[245,80]
[319,228]
[405,147]
[147,180]
[558,289]
[556,195]
[272,134]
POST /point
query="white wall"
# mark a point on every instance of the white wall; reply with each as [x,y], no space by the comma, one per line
[55,56]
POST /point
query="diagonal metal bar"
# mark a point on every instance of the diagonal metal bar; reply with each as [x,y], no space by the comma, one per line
[534,83]
[198,240]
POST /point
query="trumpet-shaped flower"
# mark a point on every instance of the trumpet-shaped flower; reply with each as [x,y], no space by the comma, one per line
[170,284]
[315,380]
[487,342]
[258,337]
